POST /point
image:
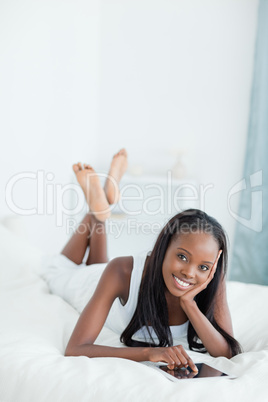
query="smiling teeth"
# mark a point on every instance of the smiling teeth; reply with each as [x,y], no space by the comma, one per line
[184,284]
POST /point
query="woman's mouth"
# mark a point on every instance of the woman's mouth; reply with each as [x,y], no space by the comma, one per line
[180,283]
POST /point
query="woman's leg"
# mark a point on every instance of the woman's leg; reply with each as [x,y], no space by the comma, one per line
[91,231]
[117,169]
[97,242]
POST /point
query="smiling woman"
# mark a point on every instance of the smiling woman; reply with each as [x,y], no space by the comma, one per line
[184,280]
[189,259]
[178,288]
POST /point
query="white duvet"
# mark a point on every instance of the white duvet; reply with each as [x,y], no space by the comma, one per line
[35,327]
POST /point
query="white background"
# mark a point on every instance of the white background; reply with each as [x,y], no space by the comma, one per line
[80,79]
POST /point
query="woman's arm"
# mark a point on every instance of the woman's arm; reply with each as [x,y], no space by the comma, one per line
[221,312]
[214,342]
[114,283]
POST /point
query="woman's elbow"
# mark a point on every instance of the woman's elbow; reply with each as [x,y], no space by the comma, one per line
[225,352]
[68,352]
[72,350]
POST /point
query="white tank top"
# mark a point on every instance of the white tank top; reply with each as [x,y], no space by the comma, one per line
[77,283]
[120,315]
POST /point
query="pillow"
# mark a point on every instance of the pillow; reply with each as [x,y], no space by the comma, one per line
[247,304]
[17,257]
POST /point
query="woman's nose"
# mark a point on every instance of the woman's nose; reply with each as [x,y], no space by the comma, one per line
[188,271]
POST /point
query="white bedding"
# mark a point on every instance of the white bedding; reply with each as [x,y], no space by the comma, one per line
[36,325]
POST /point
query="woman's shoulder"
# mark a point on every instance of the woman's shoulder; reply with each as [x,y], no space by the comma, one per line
[127,269]
[124,265]
[121,267]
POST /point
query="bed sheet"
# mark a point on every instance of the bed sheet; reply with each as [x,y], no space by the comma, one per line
[36,326]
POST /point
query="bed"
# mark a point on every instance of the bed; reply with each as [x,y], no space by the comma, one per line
[36,325]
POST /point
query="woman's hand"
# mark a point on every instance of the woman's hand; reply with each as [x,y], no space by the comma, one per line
[189,296]
[174,356]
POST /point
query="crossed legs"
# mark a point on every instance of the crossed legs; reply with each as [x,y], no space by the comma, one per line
[91,231]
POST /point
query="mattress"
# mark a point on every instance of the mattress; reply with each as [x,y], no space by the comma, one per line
[36,326]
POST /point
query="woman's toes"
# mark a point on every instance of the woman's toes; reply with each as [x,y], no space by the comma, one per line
[76,168]
[86,166]
[123,152]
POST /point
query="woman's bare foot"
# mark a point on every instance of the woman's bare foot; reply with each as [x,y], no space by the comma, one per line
[117,169]
[94,193]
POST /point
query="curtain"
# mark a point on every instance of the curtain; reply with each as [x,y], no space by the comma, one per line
[249,261]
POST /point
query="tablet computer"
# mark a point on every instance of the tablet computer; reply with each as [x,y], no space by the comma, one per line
[204,371]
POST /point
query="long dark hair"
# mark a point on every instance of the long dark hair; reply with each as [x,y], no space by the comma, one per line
[152,307]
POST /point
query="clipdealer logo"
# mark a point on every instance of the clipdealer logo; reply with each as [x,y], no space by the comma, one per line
[255,194]
[152,199]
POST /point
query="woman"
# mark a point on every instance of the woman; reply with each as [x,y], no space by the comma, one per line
[178,288]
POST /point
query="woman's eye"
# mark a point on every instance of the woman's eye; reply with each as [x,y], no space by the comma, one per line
[182,257]
[204,267]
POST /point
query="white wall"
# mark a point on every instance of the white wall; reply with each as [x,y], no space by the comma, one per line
[80,79]
[177,74]
[49,97]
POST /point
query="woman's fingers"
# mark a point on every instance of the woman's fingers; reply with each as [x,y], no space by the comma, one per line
[217,259]
[190,363]
[213,270]
[183,359]
[179,358]
[173,358]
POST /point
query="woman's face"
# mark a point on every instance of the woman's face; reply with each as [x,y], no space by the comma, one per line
[188,261]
